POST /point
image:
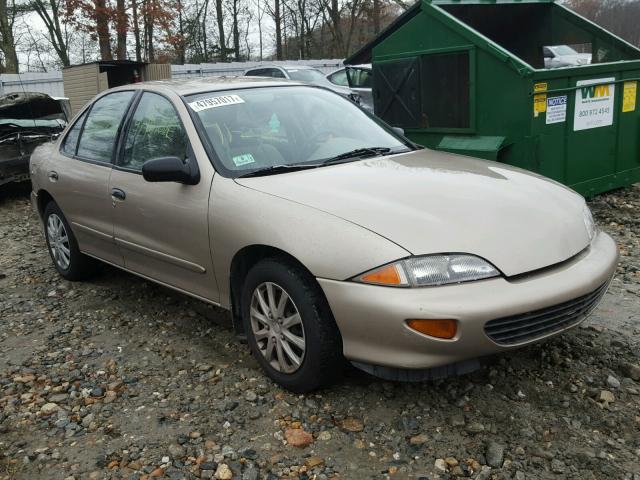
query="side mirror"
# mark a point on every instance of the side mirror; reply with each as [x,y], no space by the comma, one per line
[171,169]
[398,130]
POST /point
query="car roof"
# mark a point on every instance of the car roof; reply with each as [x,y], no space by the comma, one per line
[209,84]
[284,67]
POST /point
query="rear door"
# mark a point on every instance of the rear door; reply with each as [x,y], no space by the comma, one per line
[162,228]
[78,176]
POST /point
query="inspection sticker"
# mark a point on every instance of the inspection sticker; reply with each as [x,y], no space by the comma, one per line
[556,109]
[244,159]
[213,102]
[630,92]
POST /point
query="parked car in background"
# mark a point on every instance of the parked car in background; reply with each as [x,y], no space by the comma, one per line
[564,56]
[358,78]
[326,234]
[301,73]
[27,120]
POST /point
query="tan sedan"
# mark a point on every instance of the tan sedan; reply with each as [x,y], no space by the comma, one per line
[326,234]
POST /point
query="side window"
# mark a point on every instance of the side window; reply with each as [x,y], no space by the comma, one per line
[339,78]
[360,78]
[260,72]
[155,131]
[98,138]
[71,140]
[276,73]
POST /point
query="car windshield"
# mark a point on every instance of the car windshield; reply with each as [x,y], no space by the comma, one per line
[258,128]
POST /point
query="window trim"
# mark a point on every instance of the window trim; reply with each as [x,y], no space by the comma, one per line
[119,154]
[87,110]
[471,51]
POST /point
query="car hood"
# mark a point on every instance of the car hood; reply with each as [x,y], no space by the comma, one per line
[433,202]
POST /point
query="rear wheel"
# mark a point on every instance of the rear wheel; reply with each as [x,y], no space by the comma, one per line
[289,326]
[63,246]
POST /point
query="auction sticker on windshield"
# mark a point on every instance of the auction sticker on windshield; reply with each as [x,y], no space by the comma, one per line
[213,102]
[594,103]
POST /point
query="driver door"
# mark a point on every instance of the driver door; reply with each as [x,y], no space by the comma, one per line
[161,228]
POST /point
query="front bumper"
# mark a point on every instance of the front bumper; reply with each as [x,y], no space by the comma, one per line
[372,319]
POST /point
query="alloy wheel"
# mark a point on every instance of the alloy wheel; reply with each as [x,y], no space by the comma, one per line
[58,241]
[277,327]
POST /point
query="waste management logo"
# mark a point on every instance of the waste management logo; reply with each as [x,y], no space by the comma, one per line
[594,103]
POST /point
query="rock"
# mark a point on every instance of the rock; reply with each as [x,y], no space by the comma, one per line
[452,462]
[86,421]
[557,466]
[613,382]
[495,455]
[419,439]
[606,397]
[324,435]
[176,451]
[49,408]
[250,474]
[440,465]
[250,396]
[632,371]
[297,437]
[475,427]
[312,462]
[351,424]
[223,472]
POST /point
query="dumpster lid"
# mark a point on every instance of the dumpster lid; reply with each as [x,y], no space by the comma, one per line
[472,143]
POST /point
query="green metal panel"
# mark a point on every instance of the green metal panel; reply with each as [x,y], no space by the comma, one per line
[505,66]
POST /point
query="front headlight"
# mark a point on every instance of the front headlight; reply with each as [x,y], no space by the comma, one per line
[430,270]
[589,222]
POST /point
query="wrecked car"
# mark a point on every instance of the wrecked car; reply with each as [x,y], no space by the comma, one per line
[27,120]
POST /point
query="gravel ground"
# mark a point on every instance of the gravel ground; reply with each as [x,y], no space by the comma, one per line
[120,378]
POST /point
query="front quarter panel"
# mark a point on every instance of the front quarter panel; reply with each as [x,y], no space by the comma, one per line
[328,246]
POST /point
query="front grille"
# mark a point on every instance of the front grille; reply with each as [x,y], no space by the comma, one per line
[539,323]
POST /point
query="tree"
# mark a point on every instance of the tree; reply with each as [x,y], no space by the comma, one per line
[121,30]
[49,11]
[8,13]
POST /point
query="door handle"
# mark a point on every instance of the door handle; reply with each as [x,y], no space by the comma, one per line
[53,176]
[118,194]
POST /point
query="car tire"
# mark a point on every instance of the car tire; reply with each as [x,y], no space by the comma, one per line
[320,361]
[70,263]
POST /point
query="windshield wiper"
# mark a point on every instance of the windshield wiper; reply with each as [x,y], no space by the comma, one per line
[358,153]
[275,169]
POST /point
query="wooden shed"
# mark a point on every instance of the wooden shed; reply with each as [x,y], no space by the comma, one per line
[83,82]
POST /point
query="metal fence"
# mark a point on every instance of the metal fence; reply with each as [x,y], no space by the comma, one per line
[51,82]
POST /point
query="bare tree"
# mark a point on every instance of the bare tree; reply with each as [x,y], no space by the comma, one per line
[50,11]
[7,41]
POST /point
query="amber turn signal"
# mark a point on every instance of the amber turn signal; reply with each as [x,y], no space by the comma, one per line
[388,275]
[435,328]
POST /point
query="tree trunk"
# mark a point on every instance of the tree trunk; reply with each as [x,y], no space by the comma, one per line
[121,30]
[376,16]
[277,18]
[221,38]
[181,47]
[102,29]
[236,32]
[136,30]
[7,41]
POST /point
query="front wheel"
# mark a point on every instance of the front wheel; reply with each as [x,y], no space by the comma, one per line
[290,328]
[63,246]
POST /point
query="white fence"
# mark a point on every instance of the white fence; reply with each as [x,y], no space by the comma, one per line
[51,82]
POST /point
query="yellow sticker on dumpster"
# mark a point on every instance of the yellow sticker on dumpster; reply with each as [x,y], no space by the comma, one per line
[539,104]
[540,87]
[629,95]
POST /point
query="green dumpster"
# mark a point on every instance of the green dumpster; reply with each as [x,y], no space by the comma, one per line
[496,79]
